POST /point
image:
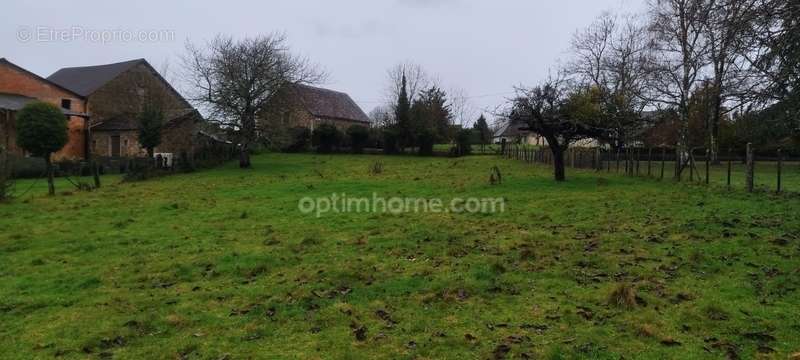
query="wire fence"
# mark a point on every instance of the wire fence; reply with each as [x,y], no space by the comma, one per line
[733,170]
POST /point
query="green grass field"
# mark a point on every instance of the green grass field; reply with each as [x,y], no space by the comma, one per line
[221,264]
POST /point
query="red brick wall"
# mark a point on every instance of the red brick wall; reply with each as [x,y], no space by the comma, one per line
[14,81]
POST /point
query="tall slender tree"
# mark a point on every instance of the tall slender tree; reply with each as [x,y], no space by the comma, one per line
[402,114]
[680,53]
[725,30]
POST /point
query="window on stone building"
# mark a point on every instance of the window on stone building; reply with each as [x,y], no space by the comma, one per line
[66,104]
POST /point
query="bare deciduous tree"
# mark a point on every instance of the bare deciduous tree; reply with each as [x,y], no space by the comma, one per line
[725,32]
[610,56]
[680,54]
[235,79]
[591,47]
[417,80]
[461,107]
[381,116]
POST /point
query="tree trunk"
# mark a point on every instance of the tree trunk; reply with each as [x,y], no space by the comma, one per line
[244,157]
[716,116]
[96,174]
[248,137]
[558,163]
[51,187]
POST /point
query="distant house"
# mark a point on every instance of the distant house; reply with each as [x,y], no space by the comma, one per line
[516,132]
[308,106]
[19,87]
[115,95]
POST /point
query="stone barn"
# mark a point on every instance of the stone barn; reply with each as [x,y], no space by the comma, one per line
[308,106]
[115,95]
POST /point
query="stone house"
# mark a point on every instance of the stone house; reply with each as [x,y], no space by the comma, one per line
[308,106]
[515,132]
[19,87]
[116,93]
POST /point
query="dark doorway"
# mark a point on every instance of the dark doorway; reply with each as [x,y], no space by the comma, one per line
[115,146]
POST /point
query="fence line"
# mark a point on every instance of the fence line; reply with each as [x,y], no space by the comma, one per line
[696,169]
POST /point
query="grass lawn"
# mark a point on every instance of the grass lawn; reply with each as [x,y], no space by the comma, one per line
[222,264]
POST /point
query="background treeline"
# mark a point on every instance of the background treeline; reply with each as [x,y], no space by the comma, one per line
[686,74]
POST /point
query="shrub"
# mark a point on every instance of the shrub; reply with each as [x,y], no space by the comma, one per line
[463,143]
[327,138]
[391,141]
[426,139]
[299,139]
[359,137]
[27,167]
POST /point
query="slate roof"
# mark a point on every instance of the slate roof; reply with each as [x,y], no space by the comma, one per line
[330,104]
[14,102]
[86,80]
[512,129]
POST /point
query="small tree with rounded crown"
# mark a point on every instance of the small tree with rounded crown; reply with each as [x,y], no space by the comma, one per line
[41,131]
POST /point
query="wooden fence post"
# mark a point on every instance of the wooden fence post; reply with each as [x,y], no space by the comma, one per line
[708,166]
[750,168]
[638,160]
[627,161]
[780,169]
[663,161]
[618,154]
[730,167]
[649,162]
[598,163]
[571,153]
[691,165]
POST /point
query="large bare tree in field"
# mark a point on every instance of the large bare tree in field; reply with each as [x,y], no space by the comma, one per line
[235,79]
[610,56]
[680,53]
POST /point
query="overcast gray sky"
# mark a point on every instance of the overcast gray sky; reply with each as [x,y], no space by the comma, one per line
[482,47]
